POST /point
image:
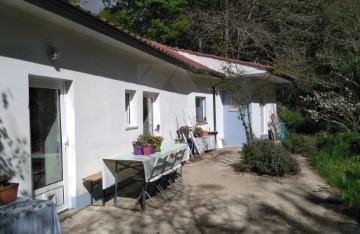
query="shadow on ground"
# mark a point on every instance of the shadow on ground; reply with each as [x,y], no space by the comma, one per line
[259,206]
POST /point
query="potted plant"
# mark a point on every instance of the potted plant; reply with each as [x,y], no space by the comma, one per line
[8,191]
[204,133]
[138,146]
[158,140]
[147,149]
[197,131]
[151,140]
[148,144]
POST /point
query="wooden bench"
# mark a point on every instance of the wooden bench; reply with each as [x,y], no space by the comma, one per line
[95,179]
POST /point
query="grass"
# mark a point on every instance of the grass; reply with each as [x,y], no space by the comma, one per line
[334,160]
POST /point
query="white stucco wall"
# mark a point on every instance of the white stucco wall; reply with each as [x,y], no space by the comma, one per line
[96,74]
[256,114]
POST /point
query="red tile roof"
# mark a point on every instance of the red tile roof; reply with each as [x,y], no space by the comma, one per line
[171,51]
[226,59]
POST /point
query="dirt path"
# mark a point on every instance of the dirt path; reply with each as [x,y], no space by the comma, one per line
[218,200]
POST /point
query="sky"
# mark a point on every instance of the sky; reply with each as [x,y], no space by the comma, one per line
[92,5]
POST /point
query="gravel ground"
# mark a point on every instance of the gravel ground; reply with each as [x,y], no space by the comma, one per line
[216,199]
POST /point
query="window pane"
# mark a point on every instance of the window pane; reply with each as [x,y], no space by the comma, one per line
[46,155]
[203,107]
[127,108]
[200,109]
[233,105]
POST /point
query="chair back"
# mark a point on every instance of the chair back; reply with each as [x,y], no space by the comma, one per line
[159,166]
[170,161]
[179,157]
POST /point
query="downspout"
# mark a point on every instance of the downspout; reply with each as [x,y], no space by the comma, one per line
[214,107]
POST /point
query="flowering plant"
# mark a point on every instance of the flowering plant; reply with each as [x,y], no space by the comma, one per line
[158,140]
[197,131]
[4,180]
[138,142]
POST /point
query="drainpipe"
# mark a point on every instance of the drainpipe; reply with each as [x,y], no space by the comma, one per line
[214,107]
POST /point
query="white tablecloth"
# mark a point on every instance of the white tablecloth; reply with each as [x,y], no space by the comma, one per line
[108,178]
[27,215]
[205,143]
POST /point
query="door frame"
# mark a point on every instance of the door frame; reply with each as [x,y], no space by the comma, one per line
[61,86]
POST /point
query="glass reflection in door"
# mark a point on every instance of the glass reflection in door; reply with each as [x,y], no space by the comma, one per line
[45,125]
[148,115]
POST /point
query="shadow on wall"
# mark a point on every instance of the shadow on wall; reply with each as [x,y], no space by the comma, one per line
[13,153]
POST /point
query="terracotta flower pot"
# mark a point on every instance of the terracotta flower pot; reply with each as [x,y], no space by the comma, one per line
[8,194]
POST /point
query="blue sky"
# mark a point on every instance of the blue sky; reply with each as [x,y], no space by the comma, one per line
[92,5]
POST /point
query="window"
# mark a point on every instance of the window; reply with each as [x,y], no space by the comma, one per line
[233,104]
[127,108]
[130,111]
[200,103]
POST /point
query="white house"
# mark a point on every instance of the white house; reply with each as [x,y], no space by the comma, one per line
[75,88]
[260,109]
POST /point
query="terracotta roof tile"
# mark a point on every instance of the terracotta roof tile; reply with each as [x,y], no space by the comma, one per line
[267,67]
[169,50]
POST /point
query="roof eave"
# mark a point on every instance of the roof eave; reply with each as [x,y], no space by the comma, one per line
[86,19]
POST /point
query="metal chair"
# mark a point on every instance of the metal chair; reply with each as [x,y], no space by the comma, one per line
[178,164]
[169,165]
[156,174]
[174,164]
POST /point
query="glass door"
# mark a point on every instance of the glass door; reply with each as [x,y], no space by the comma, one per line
[262,117]
[148,115]
[46,145]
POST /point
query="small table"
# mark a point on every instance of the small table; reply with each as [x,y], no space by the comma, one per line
[128,160]
[27,215]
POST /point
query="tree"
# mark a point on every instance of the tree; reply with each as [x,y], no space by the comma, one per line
[316,41]
[164,21]
[231,28]
[334,94]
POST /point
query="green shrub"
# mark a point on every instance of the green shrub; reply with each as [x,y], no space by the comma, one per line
[298,121]
[350,185]
[338,145]
[290,117]
[335,162]
[299,144]
[325,140]
[266,157]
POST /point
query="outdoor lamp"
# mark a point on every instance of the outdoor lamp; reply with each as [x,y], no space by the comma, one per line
[53,54]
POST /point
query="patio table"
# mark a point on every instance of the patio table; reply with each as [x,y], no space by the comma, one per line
[129,160]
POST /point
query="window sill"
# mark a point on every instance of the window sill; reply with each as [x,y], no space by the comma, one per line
[202,123]
[233,110]
[131,127]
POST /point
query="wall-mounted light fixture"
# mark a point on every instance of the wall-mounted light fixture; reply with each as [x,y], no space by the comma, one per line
[53,54]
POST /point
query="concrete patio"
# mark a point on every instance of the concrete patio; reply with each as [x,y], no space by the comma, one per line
[216,199]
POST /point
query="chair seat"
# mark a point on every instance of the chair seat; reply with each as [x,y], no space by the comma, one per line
[176,167]
[171,170]
[155,178]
